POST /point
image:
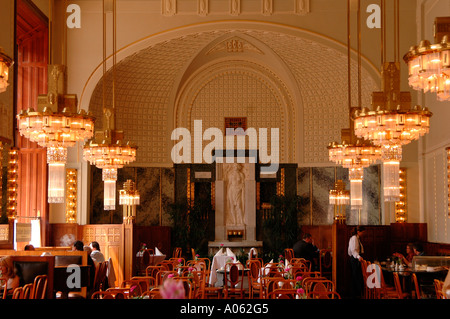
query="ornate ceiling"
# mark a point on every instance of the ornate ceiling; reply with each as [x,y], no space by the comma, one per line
[291,81]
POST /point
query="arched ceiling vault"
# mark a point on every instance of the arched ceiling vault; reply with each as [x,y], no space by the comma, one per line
[312,69]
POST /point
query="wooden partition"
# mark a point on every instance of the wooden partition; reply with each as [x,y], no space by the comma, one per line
[120,242]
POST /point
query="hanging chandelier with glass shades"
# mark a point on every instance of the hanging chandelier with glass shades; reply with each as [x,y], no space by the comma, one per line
[56,125]
[108,151]
[5,64]
[429,64]
[339,197]
[392,123]
[353,153]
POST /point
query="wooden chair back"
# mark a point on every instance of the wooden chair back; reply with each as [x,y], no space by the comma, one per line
[152,294]
[17,293]
[148,257]
[398,286]
[415,283]
[100,276]
[177,252]
[438,285]
[233,280]
[39,287]
[288,254]
[152,271]
[27,291]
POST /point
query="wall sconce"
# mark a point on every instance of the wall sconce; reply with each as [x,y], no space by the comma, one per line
[71,195]
[11,188]
[400,206]
[129,197]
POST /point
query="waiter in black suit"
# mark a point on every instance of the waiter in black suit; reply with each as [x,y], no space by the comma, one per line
[355,251]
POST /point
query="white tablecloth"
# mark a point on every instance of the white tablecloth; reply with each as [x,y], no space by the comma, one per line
[218,263]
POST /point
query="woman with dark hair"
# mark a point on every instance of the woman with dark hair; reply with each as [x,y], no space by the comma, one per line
[355,251]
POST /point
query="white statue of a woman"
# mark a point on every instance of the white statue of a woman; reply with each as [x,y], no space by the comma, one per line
[235,195]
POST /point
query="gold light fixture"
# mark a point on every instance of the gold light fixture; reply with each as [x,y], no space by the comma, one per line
[400,206]
[339,197]
[392,123]
[429,64]
[71,195]
[11,188]
[5,63]
[108,151]
[129,197]
[353,153]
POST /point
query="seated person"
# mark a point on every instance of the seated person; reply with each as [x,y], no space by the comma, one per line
[305,248]
[96,254]
[8,276]
[409,255]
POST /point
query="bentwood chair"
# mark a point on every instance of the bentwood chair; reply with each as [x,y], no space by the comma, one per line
[438,284]
[416,292]
[234,280]
[398,287]
[27,290]
[39,287]
[255,282]
[288,254]
[17,293]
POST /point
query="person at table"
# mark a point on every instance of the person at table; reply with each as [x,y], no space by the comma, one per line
[8,277]
[305,248]
[407,260]
[79,246]
[418,249]
[96,254]
[355,252]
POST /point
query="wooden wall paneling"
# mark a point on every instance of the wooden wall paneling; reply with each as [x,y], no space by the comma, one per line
[31,80]
[110,239]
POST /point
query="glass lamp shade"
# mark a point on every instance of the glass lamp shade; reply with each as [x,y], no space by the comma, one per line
[56,182]
[356,178]
[356,193]
[129,199]
[391,180]
[109,200]
[109,182]
[56,159]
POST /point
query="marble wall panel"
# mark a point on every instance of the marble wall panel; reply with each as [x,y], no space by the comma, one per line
[156,188]
[314,184]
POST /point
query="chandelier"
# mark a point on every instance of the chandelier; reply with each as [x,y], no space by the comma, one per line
[108,151]
[5,63]
[339,197]
[393,123]
[429,64]
[129,197]
[56,125]
[353,153]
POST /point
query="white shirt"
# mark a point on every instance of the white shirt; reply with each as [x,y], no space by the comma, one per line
[355,247]
[97,256]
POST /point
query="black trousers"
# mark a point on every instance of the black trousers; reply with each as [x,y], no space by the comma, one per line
[357,278]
